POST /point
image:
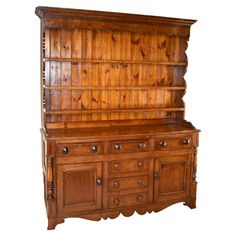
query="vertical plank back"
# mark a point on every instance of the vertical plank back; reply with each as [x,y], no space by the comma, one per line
[102,75]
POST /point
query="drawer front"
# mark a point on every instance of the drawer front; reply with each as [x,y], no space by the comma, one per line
[118,167]
[75,149]
[126,183]
[125,146]
[127,200]
[175,142]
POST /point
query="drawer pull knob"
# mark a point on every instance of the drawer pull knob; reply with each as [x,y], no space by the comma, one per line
[140,181]
[99,181]
[142,145]
[94,148]
[186,141]
[156,175]
[162,143]
[116,166]
[140,164]
[116,201]
[65,150]
[139,198]
[116,184]
[117,146]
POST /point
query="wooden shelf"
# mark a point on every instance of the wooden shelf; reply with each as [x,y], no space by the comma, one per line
[78,60]
[115,110]
[114,88]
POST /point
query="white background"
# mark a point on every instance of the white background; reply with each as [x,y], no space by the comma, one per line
[210,105]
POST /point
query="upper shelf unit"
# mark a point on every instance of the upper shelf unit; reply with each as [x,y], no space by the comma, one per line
[104,66]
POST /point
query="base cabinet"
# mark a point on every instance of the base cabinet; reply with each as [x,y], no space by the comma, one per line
[79,187]
[95,186]
[102,183]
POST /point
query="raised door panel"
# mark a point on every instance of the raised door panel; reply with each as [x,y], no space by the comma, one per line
[172,177]
[79,187]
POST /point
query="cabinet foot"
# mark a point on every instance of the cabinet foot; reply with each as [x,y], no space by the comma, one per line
[53,222]
[191,203]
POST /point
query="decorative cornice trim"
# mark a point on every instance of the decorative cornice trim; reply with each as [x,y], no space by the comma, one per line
[53,12]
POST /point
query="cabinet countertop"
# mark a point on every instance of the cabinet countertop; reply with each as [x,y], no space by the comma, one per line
[153,129]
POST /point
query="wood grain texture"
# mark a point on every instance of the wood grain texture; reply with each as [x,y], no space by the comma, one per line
[114,138]
[76,52]
[151,65]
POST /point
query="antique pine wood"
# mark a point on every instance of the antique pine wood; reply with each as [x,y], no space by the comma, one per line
[114,138]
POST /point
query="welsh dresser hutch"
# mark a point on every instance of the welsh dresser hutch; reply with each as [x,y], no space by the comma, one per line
[114,137]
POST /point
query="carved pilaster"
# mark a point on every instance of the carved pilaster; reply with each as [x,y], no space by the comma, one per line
[194,175]
[50,180]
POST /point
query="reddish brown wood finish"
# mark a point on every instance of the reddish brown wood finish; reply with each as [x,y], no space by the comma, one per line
[78,187]
[114,138]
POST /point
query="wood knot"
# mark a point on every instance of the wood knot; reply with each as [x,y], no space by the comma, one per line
[66,47]
[162,81]
[162,45]
[76,99]
[136,76]
[94,100]
[142,53]
[137,41]
[113,38]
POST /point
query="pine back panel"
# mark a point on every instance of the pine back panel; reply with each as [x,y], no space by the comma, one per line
[97,74]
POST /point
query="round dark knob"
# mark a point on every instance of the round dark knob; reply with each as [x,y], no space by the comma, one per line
[186,141]
[162,143]
[116,201]
[142,145]
[99,181]
[116,184]
[117,146]
[65,150]
[140,181]
[116,166]
[94,148]
[140,164]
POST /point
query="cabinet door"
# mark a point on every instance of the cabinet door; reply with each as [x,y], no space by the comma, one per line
[171,177]
[79,187]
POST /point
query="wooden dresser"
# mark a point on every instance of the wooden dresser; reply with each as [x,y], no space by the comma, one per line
[114,138]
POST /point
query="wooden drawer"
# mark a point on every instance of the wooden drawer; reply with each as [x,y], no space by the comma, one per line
[74,149]
[127,200]
[118,167]
[124,146]
[126,183]
[162,143]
